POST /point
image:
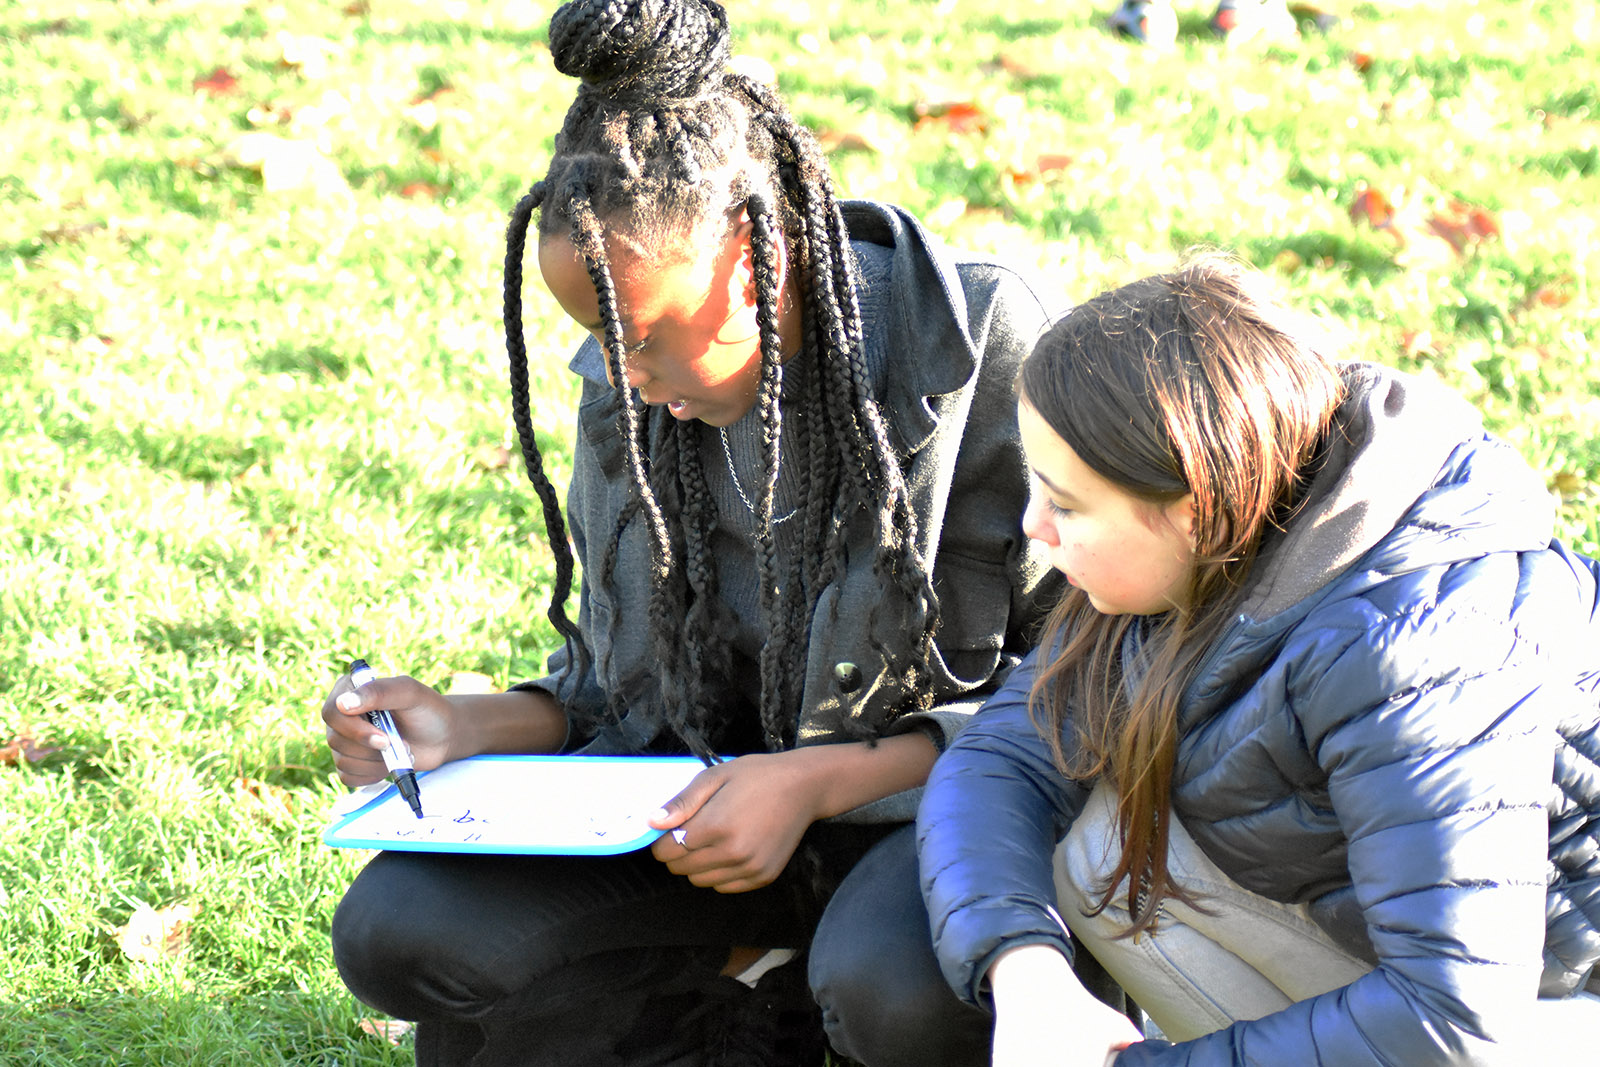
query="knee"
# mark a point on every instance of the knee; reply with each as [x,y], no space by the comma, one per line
[883,1015]
[394,952]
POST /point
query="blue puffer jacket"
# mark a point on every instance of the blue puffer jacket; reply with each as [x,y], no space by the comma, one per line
[1399,728]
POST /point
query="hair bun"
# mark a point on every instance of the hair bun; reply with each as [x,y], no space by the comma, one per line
[641,51]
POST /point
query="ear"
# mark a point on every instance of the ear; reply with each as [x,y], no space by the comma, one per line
[743,281]
[1180,513]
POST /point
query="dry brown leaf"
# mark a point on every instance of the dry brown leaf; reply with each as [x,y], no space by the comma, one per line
[272,802]
[492,457]
[390,1030]
[25,748]
[1568,483]
[154,934]
[1462,224]
[1555,294]
[956,116]
[1373,207]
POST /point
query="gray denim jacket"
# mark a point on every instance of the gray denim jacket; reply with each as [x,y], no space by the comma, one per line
[953,329]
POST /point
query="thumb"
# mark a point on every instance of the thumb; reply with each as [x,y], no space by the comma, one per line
[682,807]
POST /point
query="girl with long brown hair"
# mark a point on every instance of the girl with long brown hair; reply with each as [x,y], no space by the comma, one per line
[1316,726]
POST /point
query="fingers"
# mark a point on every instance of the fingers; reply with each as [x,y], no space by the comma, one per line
[355,742]
[683,807]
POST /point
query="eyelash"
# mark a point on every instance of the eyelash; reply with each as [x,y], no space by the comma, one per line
[1056,509]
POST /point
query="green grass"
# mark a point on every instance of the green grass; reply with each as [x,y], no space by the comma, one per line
[253,428]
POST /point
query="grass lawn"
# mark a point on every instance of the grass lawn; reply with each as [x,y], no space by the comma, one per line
[255,422]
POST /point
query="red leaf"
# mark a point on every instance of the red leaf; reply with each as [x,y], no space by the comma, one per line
[421,190]
[957,116]
[1372,206]
[1463,224]
[1362,61]
[217,83]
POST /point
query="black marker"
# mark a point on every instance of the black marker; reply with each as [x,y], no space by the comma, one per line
[396,754]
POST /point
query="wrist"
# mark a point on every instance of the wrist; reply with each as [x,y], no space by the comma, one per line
[520,721]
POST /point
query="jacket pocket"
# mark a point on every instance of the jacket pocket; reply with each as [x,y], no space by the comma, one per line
[974,612]
[598,421]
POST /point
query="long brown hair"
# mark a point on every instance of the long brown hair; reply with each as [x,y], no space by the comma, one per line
[1190,383]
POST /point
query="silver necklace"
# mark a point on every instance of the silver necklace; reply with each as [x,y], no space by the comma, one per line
[733,472]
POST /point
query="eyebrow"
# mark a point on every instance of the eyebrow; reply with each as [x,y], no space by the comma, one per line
[1054,488]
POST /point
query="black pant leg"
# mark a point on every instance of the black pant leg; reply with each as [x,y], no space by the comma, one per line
[884,1001]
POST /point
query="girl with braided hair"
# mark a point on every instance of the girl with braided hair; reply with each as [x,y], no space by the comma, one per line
[794,498]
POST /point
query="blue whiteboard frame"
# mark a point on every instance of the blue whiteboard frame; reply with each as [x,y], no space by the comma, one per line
[583,776]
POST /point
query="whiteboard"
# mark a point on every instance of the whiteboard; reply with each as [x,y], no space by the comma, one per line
[517,804]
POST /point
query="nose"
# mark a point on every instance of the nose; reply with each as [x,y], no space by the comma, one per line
[1036,524]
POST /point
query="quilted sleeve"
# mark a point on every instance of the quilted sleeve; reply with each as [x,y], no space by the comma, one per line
[993,810]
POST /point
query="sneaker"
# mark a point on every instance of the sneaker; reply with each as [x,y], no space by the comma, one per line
[1237,21]
[1150,22]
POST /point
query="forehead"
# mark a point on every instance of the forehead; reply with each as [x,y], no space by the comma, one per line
[646,282]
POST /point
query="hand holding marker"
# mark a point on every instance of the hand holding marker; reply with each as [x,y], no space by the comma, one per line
[396,754]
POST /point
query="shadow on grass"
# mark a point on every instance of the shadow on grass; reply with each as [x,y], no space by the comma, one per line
[156,1030]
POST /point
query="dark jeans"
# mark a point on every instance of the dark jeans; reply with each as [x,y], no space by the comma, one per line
[612,961]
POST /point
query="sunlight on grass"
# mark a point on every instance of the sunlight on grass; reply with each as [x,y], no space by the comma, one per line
[256,419]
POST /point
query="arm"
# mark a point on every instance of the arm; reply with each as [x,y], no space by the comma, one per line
[436,727]
[993,811]
[1432,727]
[743,819]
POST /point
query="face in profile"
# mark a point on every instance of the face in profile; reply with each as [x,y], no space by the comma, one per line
[1130,556]
[688,322]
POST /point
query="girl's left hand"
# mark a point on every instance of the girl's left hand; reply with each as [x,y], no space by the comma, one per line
[739,822]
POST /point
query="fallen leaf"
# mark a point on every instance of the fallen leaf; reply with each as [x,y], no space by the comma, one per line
[1556,294]
[270,115]
[492,457]
[1568,483]
[152,934]
[960,116]
[391,1030]
[1018,67]
[1287,261]
[25,748]
[1372,206]
[1413,342]
[218,83]
[1462,224]
[273,802]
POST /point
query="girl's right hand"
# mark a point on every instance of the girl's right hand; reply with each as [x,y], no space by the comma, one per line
[426,719]
[1044,1016]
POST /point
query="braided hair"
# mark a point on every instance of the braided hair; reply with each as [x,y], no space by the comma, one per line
[664,143]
